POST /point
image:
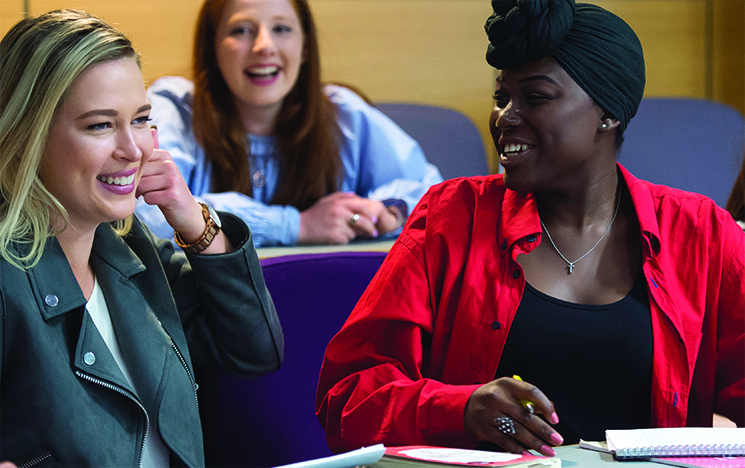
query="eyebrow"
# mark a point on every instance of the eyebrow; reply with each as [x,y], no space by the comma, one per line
[110,112]
[532,78]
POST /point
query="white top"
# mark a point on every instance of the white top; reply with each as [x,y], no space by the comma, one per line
[154,453]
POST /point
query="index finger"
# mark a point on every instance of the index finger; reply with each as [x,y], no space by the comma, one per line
[531,396]
[154,133]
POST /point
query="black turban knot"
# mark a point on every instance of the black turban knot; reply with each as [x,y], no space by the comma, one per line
[595,47]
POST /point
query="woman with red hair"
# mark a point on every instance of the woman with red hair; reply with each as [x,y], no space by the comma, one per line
[257,133]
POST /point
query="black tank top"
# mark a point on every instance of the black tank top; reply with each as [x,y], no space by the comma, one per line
[593,361]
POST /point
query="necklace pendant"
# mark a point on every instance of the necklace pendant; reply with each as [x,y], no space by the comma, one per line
[571,267]
[258,179]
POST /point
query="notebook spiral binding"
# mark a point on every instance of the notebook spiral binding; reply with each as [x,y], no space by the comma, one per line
[701,450]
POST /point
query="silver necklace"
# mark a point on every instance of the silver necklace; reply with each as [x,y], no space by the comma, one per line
[570,265]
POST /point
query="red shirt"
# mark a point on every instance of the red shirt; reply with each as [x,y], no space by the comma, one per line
[431,326]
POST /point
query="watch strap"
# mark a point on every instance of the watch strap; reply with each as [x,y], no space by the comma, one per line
[204,241]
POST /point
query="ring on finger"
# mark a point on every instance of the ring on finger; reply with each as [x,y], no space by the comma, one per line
[506,425]
[355,217]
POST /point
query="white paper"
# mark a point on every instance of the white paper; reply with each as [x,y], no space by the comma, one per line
[359,457]
[459,455]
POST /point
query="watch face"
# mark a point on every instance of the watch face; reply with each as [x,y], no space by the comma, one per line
[213,215]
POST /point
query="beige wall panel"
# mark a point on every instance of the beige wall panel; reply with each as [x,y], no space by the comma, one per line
[11,12]
[162,30]
[399,50]
[433,51]
[729,53]
[672,33]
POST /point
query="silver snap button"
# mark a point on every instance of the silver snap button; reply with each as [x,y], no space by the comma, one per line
[51,300]
[89,358]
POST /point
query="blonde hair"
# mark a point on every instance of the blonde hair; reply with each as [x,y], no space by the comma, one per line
[40,58]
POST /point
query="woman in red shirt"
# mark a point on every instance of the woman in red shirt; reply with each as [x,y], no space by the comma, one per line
[619,302]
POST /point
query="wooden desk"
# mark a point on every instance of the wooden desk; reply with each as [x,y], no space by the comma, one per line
[356,246]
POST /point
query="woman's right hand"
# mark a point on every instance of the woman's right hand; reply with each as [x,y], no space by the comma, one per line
[501,398]
[329,220]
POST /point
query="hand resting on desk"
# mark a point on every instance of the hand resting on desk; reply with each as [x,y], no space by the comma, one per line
[332,220]
[500,398]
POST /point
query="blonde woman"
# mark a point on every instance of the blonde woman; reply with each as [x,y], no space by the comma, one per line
[100,321]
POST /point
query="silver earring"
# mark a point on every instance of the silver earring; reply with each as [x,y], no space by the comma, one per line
[605,125]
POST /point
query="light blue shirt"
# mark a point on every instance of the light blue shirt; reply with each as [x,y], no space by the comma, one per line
[381,162]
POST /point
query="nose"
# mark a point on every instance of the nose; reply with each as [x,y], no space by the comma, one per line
[128,145]
[264,44]
[507,116]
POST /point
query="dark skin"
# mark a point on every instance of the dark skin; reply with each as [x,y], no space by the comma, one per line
[567,158]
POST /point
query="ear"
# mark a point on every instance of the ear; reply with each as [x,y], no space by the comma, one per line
[608,123]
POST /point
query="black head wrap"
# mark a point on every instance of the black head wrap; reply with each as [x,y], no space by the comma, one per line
[595,47]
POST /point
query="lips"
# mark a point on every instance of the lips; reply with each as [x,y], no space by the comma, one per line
[263,74]
[123,180]
[120,182]
[511,154]
[265,71]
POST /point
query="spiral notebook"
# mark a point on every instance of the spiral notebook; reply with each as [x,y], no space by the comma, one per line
[629,444]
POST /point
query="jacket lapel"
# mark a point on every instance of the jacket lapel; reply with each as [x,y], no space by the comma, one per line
[143,342]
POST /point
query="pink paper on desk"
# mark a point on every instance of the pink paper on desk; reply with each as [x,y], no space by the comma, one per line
[464,457]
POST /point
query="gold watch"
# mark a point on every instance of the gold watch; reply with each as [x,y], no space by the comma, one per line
[210,232]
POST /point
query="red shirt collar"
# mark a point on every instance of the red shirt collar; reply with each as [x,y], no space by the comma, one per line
[520,215]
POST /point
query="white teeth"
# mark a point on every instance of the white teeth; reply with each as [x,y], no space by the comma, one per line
[268,70]
[117,180]
[514,148]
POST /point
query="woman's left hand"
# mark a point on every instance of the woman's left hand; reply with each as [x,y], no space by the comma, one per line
[387,220]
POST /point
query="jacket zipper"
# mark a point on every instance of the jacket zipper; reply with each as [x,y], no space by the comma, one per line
[128,395]
[180,356]
[36,461]
[194,384]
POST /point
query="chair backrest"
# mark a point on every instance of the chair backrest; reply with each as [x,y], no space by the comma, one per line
[270,420]
[448,138]
[690,144]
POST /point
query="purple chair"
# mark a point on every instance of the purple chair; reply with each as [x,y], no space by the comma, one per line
[449,139]
[690,144]
[270,420]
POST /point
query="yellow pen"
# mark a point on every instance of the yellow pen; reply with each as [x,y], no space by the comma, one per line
[527,404]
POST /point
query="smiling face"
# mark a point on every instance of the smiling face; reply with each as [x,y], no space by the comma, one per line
[546,128]
[259,49]
[99,140]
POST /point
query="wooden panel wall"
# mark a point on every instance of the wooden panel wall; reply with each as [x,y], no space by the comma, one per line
[433,52]
[11,11]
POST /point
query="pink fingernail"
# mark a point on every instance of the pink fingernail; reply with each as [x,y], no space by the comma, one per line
[375,233]
[554,418]
[556,439]
[375,219]
[526,453]
[548,451]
